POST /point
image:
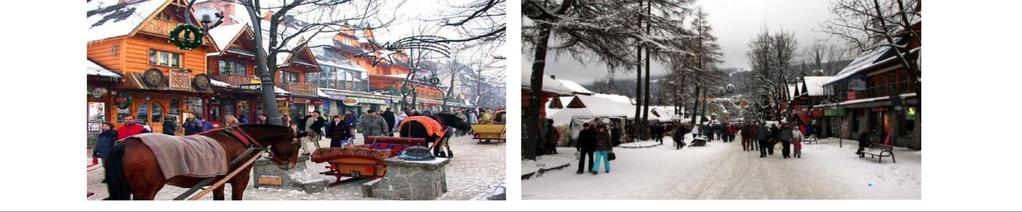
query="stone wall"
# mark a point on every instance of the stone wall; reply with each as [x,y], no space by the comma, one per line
[409,180]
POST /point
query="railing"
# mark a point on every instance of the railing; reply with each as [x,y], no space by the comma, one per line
[898,87]
[300,88]
[236,80]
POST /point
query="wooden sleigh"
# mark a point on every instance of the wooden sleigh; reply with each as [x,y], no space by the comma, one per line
[363,161]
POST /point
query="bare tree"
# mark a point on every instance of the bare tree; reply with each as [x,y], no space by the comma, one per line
[769,56]
[600,28]
[289,27]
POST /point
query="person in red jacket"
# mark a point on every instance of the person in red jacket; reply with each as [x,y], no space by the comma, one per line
[129,128]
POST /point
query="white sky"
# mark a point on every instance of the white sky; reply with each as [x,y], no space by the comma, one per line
[734,22]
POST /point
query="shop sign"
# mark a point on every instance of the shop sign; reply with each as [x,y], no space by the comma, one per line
[857,84]
[98,92]
[179,80]
[834,112]
[153,77]
[202,82]
[851,95]
[123,100]
[350,101]
[317,102]
[301,101]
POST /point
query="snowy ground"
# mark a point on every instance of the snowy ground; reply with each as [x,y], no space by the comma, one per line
[474,169]
[723,171]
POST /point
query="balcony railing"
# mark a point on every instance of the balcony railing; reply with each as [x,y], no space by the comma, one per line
[236,80]
[303,89]
[872,91]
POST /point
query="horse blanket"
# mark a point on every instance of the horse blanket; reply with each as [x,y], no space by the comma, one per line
[192,156]
[433,127]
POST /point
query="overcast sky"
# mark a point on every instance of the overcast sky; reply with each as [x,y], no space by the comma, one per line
[734,22]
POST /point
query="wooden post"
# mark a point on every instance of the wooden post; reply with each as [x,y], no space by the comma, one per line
[224,179]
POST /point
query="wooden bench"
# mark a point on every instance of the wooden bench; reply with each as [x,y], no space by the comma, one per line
[877,150]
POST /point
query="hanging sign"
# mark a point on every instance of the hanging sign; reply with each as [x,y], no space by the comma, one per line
[98,92]
[123,100]
[179,80]
[153,77]
[350,101]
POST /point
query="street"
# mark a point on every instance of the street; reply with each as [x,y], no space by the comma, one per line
[723,171]
[474,169]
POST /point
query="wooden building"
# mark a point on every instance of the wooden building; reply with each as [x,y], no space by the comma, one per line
[160,81]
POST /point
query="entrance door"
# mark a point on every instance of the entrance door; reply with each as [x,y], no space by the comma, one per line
[151,113]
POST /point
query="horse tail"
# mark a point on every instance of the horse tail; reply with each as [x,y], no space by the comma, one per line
[116,183]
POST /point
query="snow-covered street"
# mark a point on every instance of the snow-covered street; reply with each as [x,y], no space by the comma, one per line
[474,169]
[723,171]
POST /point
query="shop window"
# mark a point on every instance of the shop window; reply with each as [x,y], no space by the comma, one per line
[163,58]
[175,108]
[291,77]
[143,113]
[157,115]
[194,106]
[244,110]
[228,67]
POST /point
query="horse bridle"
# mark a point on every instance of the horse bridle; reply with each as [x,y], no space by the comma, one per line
[243,137]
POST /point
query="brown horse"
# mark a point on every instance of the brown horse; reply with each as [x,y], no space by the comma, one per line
[132,171]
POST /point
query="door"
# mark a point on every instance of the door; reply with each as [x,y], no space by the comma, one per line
[151,113]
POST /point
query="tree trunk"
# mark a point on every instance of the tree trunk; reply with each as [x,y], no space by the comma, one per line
[532,118]
[645,102]
[702,112]
[695,106]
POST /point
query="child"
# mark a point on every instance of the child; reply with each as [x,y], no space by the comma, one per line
[796,141]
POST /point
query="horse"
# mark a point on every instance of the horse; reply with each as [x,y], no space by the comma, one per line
[132,171]
[414,129]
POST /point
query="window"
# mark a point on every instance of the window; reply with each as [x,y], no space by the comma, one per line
[163,58]
[228,67]
[311,78]
[290,76]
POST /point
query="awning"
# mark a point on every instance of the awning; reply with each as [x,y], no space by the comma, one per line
[93,69]
[258,87]
[219,83]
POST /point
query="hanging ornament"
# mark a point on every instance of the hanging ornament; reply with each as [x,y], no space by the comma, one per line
[186,36]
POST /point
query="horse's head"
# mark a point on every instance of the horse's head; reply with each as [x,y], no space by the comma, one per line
[452,120]
[282,142]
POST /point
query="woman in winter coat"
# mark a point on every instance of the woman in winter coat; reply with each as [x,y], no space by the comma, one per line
[603,149]
[338,131]
[105,141]
[796,141]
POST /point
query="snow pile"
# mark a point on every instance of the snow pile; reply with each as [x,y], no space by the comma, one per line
[641,144]
[306,176]
[544,163]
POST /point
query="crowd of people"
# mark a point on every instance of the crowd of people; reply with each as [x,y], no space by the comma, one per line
[594,146]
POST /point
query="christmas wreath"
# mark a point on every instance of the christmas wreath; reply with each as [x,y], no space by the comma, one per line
[186,36]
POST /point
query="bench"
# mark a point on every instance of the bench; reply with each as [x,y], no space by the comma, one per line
[877,150]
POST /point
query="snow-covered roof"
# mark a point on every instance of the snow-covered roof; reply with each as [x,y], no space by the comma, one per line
[574,87]
[329,57]
[549,84]
[219,83]
[814,85]
[865,60]
[110,18]
[93,69]
[224,34]
[615,97]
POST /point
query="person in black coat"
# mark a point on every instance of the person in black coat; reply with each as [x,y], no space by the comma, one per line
[864,142]
[679,136]
[586,147]
[192,126]
[389,117]
[338,131]
[105,141]
[170,126]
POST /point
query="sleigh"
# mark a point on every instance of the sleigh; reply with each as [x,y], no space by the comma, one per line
[363,161]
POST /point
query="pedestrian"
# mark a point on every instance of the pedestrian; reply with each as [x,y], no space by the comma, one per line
[679,136]
[130,128]
[552,136]
[170,126]
[615,132]
[338,131]
[864,142]
[586,147]
[312,125]
[762,135]
[372,124]
[603,149]
[262,119]
[389,117]
[398,118]
[192,126]
[231,121]
[775,136]
[746,137]
[286,121]
[796,142]
[104,141]
[206,125]
[654,130]
[786,139]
